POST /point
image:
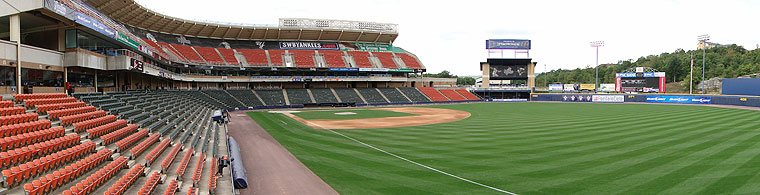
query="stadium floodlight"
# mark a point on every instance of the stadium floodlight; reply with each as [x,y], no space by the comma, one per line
[703,39]
[597,44]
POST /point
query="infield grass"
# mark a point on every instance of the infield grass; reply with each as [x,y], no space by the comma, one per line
[358,114]
[541,148]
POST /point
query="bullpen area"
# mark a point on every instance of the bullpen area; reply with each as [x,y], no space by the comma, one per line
[528,148]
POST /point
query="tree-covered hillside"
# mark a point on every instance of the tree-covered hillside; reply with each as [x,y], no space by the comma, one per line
[724,62]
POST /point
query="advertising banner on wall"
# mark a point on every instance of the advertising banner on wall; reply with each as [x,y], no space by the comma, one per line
[509,100]
[680,99]
[136,65]
[576,98]
[296,45]
[93,24]
[607,87]
[344,69]
[608,98]
[555,87]
[570,87]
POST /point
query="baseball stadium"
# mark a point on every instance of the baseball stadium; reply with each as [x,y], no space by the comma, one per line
[111,97]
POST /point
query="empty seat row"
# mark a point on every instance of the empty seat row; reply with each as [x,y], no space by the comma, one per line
[30,138]
[170,158]
[150,184]
[22,154]
[50,182]
[34,102]
[91,123]
[15,129]
[17,174]
[153,154]
[54,114]
[92,182]
[212,177]
[467,94]
[142,146]
[118,134]
[68,120]
[18,118]
[106,128]
[47,107]
[131,139]
[433,94]
[452,95]
[199,169]
[172,188]
[5,103]
[185,161]
[23,97]
[191,190]
[125,181]
[12,110]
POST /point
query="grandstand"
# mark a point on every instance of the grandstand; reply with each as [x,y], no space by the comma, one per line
[114,98]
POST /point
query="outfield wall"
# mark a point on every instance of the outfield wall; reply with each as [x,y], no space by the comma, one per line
[737,100]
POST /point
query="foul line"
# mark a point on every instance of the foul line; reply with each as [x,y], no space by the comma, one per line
[410,161]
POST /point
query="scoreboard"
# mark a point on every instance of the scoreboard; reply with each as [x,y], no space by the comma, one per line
[645,82]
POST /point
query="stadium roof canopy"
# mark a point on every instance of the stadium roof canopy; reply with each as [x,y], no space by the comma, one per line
[132,13]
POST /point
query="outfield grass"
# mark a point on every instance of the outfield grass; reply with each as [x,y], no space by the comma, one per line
[360,114]
[542,148]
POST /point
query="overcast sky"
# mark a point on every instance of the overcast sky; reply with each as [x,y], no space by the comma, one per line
[451,35]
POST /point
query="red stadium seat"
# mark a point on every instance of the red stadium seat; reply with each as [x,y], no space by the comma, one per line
[361,58]
[68,120]
[142,146]
[184,162]
[150,184]
[170,158]
[433,94]
[334,59]
[386,59]
[78,168]
[5,111]
[153,154]
[228,55]
[256,57]
[210,54]
[199,169]
[189,53]
[125,181]
[303,58]
[118,134]
[172,188]
[467,94]
[106,128]
[48,107]
[276,57]
[452,95]
[91,123]
[411,62]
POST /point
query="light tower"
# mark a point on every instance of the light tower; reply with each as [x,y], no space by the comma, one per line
[597,44]
[703,39]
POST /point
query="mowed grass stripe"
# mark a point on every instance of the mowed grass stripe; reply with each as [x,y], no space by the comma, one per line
[670,149]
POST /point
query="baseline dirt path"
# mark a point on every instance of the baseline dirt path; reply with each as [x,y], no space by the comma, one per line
[425,116]
[271,169]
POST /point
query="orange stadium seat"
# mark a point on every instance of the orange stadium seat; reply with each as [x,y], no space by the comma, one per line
[23,97]
[118,134]
[334,59]
[5,103]
[452,95]
[467,94]
[303,58]
[46,163]
[91,123]
[433,94]
[199,169]
[386,58]
[49,182]
[93,181]
[106,128]
[131,139]
[361,58]
[68,120]
[9,130]
[276,56]
[17,141]
[33,102]
[125,181]
[150,184]
[5,111]
[188,52]
[55,114]
[142,146]
[42,109]
[18,118]
[172,50]
[255,57]
[184,162]
[410,61]
[153,154]
[210,55]
[172,188]
[170,158]
[228,55]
